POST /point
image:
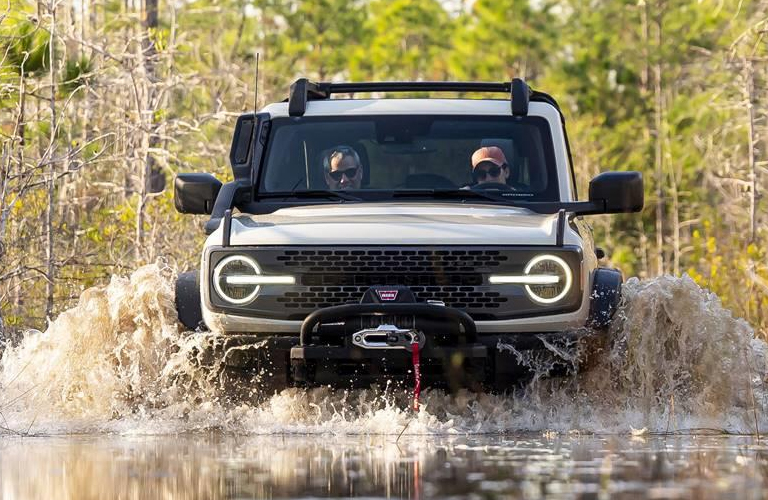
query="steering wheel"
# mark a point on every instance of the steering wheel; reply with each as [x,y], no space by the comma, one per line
[496,186]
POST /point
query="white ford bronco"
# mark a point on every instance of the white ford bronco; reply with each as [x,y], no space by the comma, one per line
[362,236]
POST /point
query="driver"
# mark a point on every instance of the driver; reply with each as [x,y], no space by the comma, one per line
[343,169]
[489,166]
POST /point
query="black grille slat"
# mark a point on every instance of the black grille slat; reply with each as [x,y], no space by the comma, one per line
[342,276]
[411,280]
[405,261]
[450,295]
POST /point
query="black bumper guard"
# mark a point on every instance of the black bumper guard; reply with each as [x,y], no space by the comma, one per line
[340,313]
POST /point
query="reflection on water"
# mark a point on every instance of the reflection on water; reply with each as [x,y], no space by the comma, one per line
[531,466]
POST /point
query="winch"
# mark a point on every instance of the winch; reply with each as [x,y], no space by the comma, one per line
[388,337]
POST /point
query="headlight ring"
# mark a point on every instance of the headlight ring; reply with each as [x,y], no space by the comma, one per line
[239,293]
[549,265]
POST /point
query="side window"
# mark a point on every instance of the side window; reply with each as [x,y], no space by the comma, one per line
[239,152]
[248,127]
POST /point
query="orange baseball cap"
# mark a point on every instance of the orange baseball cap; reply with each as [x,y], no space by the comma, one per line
[492,154]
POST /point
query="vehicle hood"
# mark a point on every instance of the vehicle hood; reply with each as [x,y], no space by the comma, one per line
[393,224]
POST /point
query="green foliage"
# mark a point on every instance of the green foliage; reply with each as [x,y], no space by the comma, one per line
[321,35]
[159,38]
[504,39]
[407,41]
[27,47]
[77,72]
[598,58]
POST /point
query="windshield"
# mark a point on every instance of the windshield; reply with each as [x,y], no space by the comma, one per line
[364,154]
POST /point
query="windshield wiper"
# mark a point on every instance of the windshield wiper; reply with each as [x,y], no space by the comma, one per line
[448,193]
[316,193]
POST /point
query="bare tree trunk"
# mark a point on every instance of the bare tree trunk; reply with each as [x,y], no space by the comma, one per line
[240,28]
[5,171]
[22,107]
[16,226]
[659,153]
[645,78]
[149,138]
[749,83]
[143,183]
[156,177]
[675,224]
[643,249]
[50,268]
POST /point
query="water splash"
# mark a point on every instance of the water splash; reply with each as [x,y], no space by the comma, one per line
[119,362]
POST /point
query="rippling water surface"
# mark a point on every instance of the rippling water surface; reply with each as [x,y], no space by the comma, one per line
[115,400]
[524,466]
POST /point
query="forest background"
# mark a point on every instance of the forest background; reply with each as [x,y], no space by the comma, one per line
[102,102]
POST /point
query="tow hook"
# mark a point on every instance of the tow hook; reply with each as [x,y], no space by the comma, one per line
[388,337]
[416,359]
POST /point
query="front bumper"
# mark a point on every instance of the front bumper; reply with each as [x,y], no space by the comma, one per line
[232,323]
[452,353]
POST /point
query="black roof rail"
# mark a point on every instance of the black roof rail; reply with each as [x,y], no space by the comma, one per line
[521,94]
[303,90]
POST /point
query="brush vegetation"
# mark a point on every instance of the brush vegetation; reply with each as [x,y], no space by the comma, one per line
[102,102]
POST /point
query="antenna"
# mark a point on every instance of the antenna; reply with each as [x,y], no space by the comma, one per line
[256,89]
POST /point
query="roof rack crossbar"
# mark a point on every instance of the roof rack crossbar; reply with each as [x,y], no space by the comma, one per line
[303,90]
[347,88]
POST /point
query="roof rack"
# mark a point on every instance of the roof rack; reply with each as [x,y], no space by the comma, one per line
[303,90]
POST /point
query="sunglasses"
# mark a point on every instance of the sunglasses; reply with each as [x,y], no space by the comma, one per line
[336,175]
[480,173]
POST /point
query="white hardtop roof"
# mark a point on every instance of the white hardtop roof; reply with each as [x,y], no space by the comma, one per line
[349,107]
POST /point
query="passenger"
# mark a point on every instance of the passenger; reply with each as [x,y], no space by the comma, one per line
[343,169]
[489,166]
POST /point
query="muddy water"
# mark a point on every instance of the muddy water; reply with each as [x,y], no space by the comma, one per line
[118,369]
[217,465]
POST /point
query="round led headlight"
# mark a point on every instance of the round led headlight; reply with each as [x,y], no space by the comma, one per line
[549,265]
[231,279]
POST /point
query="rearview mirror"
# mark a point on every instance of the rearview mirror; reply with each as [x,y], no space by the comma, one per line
[618,192]
[195,193]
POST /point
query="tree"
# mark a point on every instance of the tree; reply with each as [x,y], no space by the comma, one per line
[320,35]
[505,39]
[408,41]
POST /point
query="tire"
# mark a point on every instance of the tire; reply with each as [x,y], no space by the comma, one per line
[188,300]
[605,297]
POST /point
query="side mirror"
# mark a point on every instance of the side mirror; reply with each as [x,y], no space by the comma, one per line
[195,193]
[618,192]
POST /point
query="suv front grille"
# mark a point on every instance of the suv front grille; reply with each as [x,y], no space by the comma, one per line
[394,260]
[336,277]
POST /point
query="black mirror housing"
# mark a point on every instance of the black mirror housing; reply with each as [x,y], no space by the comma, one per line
[618,192]
[195,193]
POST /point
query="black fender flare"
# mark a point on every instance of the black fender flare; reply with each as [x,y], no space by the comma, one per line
[605,296]
[188,299]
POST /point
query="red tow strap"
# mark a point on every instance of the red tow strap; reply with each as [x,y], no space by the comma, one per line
[416,375]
